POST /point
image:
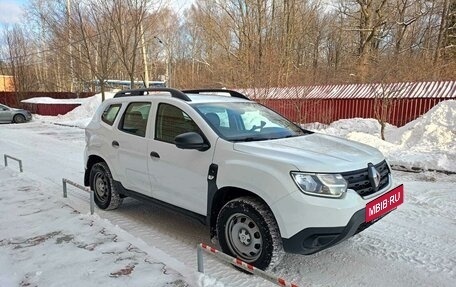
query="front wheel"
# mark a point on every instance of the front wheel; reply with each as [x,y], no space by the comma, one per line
[247,230]
[19,119]
[102,184]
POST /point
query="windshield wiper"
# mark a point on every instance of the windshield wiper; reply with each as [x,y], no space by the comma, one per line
[249,139]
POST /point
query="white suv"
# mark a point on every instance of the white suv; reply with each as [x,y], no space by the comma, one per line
[259,181]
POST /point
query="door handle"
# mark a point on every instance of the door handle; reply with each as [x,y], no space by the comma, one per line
[154,154]
[115,144]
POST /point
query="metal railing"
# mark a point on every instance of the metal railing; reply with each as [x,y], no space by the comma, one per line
[86,189]
[6,157]
[238,263]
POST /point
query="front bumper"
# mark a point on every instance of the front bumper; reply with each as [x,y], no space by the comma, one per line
[27,115]
[315,239]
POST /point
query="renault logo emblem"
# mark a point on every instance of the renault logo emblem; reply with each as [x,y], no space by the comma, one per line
[374,176]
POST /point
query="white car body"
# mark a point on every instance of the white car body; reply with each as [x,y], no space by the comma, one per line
[179,178]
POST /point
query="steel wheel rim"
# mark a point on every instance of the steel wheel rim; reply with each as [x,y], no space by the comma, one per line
[101,186]
[244,237]
[19,119]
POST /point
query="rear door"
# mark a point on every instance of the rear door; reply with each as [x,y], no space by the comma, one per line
[131,144]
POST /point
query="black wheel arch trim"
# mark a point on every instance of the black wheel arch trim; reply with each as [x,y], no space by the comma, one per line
[93,159]
[211,192]
[218,197]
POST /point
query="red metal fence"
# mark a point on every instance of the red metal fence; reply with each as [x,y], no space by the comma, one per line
[395,111]
[49,109]
[395,103]
[46,109]
[11,98]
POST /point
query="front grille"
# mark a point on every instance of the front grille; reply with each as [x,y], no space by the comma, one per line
[358,180]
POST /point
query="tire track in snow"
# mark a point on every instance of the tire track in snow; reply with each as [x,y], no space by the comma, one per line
[173,233]
[388,253]
[427,257]
[416,239]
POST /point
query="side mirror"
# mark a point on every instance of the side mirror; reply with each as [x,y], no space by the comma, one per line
[191,140]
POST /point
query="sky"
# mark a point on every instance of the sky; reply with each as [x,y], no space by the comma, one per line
[11,11]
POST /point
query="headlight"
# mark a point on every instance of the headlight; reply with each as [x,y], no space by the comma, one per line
[326,185]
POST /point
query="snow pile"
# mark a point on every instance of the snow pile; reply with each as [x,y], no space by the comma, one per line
[80,116]
[48,100]
[428,142]
[344,127]
[434,131]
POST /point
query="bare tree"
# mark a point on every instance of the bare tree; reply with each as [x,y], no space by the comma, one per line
[368,20]
[96,42]
[383,106]
[19,60]
[233,43]
[126,19]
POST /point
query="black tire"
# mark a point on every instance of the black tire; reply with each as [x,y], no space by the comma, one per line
[247,230]
[102,184]
[19,119]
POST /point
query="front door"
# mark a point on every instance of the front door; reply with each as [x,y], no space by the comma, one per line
[5,114]
[178,176]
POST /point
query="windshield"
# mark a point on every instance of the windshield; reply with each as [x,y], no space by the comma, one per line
[247,121]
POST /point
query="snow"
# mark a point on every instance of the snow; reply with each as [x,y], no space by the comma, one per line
[81,115]
[427,143]
[46,240]
[41,235]
[48,100]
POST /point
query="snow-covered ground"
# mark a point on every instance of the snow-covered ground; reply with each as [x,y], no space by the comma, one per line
[46,240]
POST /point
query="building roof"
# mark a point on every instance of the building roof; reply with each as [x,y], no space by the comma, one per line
[438,89]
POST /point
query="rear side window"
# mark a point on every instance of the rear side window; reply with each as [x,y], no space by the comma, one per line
[110,114]
[134,120]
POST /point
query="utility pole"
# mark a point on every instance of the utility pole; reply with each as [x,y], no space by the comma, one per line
[70,48]
[146,69]
[168,61]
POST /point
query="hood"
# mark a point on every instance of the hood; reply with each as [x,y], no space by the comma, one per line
[315,152]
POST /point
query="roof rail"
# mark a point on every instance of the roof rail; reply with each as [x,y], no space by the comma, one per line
[231,92]
[141,92]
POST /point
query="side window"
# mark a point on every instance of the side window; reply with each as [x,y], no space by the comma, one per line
[110,114]
[171,122]
[134,120]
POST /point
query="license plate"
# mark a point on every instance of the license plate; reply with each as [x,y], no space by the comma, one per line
[385,203]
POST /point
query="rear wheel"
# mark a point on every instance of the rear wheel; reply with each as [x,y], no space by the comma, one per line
[247,230]
[102,184]
[19,119]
